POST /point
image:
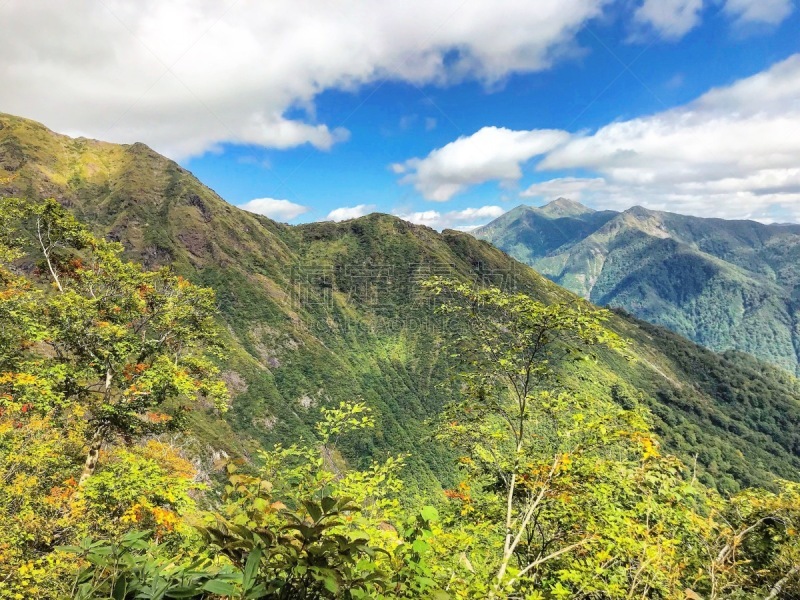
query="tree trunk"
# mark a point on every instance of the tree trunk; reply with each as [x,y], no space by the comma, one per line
[778,587]
[90,464]
[46,253]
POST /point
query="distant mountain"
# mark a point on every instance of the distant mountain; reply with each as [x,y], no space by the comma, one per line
[724,284]
[326,312]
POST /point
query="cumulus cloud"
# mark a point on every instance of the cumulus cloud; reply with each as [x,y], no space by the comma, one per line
[564,187]
[728,153]
[771,12]
[670,18]
[465,220]
[280,210]
[185,77]
[490,154]
[350,212]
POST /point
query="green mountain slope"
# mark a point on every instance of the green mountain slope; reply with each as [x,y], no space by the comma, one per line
[724,284]
[325,312]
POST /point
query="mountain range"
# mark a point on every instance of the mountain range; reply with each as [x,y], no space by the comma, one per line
[326,312]
[721,283]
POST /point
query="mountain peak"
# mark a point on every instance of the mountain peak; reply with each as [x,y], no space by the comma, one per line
[564,207]
[639,211]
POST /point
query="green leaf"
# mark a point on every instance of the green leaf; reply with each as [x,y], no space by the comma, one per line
[257,592]
[120,589]
[420,546]
[429,513]
[331,585]
[314,511]
[251,568]
[328,504]
[220,588]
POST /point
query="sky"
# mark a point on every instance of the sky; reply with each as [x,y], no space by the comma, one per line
[445,113]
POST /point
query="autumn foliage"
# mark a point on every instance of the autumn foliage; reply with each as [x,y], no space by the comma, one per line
[556,494]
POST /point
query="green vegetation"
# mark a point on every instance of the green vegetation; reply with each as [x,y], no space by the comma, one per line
[557,493]
[729,285]
[302,319]
[328,312]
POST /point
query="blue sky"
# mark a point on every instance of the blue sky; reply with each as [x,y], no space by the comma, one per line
[448,116]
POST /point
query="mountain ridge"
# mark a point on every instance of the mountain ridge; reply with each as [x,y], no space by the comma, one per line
[725,284]
[326,312]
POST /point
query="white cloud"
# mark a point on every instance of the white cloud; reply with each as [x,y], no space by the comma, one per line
[490,154]
[471,214]
[185,77]
[280,210]
[465,220]
[398,168]
[771,12]
[564,187]
[350,212]
[670,18]
[729,153]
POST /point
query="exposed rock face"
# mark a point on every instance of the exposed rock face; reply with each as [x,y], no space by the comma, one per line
[235,383]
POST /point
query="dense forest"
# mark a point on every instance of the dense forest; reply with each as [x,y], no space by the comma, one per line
[555,491]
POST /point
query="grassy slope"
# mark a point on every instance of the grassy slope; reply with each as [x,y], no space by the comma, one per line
[325,312]
[724,284]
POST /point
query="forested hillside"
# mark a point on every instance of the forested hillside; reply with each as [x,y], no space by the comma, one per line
[322,313]
[449,423]
[557,491]
[728,285]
